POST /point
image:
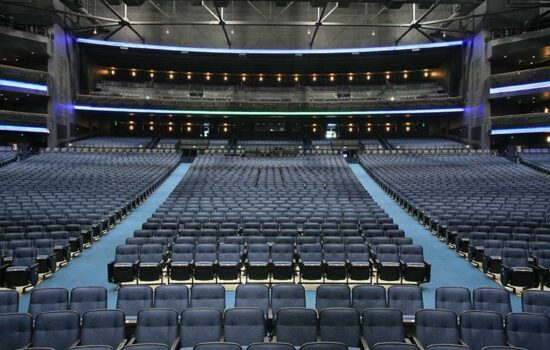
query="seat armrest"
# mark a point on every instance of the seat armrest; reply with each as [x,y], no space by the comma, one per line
[121,345]
[131,341]
[174,345]
[418,343]
[364,344]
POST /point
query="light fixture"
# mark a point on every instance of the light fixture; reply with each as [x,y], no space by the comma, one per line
[444,34]
[426,74]
[261,78]
[225,129]
[408,128]
[152,74]
[188,129]
[95,31]
[151,128]
[133,73]
[308,31]
[528,130]
[225,77]
[522,87]
[131,127]
[171,76]
[314,129]
[296,78]
[268,113]
[243,78]
[368,129]
[207,76]
[387,76]
[373,33]
[232,31]
[331,77]
[350,78]
[314,78]
[180,49]
[368,76]
[350,129]
[112,71]
[546,110]
[406,75]
[279,78]
[548,139]
[170,128]
[188,76]
[387,128]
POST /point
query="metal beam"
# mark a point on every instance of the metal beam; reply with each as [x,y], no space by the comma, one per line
[416,23]
[113,32]
[271,24]
[68,13]
[425,35]
[317,25]
[122,21]
[257,10]
[467,17]
[222,23]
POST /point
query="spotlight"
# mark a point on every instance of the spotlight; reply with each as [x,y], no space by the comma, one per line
[279,78]
[296,78]
[151,128]
[188,129]
[261,78]
[171,76]
[243,78]
[170,128]
[314,78]
[350,77]
[133,73]
[207,76]
[368,76]
[189,76]
[373,33]
[131,127]
[331,78]
[112,72]
[152,75]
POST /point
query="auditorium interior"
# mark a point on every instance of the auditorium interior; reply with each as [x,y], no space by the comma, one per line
[275,175]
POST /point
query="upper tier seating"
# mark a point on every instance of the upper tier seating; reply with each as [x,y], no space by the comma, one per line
[113,142]
[54,203]
[371,144]
[425,143]
[167,143]
[306,217]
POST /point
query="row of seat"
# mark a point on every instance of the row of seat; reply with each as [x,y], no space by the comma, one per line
[279,261]
[293,325]
[407,299]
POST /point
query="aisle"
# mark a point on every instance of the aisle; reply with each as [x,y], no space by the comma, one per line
[448,268]
[90,268]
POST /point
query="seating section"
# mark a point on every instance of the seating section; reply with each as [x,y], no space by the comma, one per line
[55,204]
[7,155]
[144,316]
[371,144]
[267,219]
[168,143]
[494,212]
[538,158]
[113,142]
[425,143]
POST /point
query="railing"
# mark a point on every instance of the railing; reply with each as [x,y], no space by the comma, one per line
[523,76]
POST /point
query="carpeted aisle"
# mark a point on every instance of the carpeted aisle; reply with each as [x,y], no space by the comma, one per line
[448,268]
[90,268]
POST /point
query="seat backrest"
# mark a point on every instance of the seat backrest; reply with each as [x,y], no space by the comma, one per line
[515,257]
[182,252]
[407,299]
[368,296]
[217,346]
[383,325]
[411,253]
[229,252]
[357,253]
[56,329]
[456,299]
[9,301]
[127,254]
[536,301]
[492,299]
[324,346]
[133,299]
[270,346]
[447,347]
[200,325]
[311,252]
[287,295]
[157,326]
[150,346]
[335,295]
[48,299]
[103,327]
[205,252]
[387,252]
[208,295]
[282,252]
[341,325]
[296,325]
[244,325]
[151,253]
[436,327]
[15,330]
[479,329]
[172,297]
[258,252]
[529,331]
[334,252]
[394,346]
[253,295]
[24,257]
[88,298]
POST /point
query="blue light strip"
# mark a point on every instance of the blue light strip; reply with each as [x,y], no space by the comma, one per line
[522,87]
[22,85]
[24,129]
[185,49]
[531,130]
[264,113]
